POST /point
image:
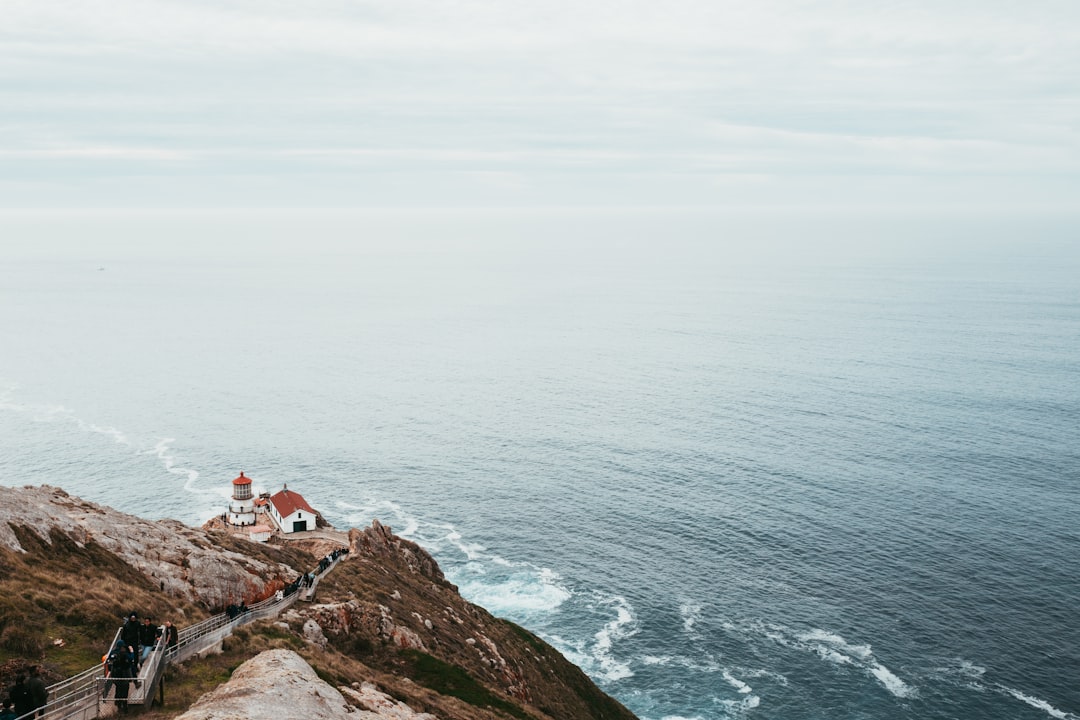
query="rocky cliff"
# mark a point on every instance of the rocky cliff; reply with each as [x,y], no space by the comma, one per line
[388,635]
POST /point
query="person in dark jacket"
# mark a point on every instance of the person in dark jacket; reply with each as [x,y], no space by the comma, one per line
[7,712]
[20,696]
[39,694]
[171,635]
[121,669]
[130,634]
[148,633]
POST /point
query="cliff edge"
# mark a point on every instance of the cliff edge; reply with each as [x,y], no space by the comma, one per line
[388,635]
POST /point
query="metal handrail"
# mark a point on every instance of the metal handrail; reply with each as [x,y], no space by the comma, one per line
[79,696]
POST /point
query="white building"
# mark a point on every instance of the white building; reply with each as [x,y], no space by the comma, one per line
[291,512]
[242,504]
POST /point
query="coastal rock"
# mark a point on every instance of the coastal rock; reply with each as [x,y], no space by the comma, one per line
[378,541]
[183,561]
[273,685]
[368,697]
[314,634]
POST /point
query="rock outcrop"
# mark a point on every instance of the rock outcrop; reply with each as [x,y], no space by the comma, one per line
[379,542]
[184,561]
[279,684]
[265,686]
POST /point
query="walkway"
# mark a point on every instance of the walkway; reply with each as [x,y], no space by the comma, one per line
[89,695]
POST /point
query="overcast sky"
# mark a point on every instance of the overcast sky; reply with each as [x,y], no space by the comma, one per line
[147,103]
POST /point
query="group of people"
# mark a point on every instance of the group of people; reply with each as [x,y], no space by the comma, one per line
[236,610]
[126,657]
[25,696]
[308,579]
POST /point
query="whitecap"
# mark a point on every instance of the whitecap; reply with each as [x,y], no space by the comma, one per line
[836,649]
[737,683]
[661,660]
[1039,704]
[53,413]
[691,614]
[163,451]
[739,706]
[963,668]
[892,683]
[522,594]
[832,656]
[762,673]
[863,652]
[624,625]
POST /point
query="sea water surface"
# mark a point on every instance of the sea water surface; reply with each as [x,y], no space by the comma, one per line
[756,465]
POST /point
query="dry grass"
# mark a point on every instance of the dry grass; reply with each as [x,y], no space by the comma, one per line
[77,594]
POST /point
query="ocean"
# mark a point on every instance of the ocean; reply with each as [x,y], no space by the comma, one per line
[799,464]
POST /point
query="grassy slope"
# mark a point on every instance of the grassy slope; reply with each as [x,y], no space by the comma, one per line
[81,594]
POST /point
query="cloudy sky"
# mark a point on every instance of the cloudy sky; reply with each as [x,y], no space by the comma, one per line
[356,103]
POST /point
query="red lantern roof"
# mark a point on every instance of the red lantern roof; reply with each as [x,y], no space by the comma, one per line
[242,480]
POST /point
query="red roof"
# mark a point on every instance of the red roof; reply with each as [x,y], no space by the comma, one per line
[287,502]
[242,480]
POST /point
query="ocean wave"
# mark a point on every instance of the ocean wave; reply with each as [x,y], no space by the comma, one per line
[962,668]
[59,413]
[739,706]
[835,649]
[691,614]
[892,683]
[518,590]
[164,452]
[520,595]
[624,625]
[1038,703]
[736,683]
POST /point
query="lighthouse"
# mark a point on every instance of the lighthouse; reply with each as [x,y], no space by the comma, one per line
[242,504]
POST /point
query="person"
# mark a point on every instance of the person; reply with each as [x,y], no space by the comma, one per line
[7,713]
[120,669]
[171,635]
[130,634]
[20,696]
[39,694]
[146,639]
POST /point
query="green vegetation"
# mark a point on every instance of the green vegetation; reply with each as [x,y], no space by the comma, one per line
[448,679]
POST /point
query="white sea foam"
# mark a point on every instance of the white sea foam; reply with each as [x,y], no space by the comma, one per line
[520,595]
[735,707]
[836,649]
[1039,704]
[832,656]
[761,673]
[164,453]
[963,668]
[691,614]
[863,652]
[737,683]
[624,625]
[55,413]
[661,660]
[893,684]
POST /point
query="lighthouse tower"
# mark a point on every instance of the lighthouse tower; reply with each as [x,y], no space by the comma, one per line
[242,504]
